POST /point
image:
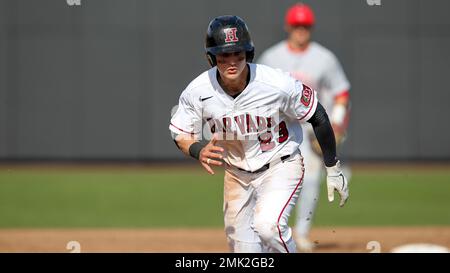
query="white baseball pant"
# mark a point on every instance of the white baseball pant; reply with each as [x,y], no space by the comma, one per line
[257,206]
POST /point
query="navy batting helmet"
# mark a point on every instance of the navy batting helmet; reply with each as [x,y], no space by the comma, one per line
[227,34]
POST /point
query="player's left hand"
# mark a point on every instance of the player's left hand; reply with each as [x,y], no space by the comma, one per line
[336,181]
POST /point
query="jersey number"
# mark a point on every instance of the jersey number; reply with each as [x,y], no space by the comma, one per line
[265,139]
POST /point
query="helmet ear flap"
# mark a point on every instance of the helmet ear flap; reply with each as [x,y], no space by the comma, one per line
[211,59]
[250,55]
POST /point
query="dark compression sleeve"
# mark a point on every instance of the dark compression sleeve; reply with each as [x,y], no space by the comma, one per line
[325,135]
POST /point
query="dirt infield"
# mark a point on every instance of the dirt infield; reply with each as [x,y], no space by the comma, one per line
[207,240]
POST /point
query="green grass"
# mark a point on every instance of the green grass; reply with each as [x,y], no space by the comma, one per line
[391,198]
[102,199]
[127,198]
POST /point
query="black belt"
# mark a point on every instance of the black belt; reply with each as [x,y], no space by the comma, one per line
[265,167]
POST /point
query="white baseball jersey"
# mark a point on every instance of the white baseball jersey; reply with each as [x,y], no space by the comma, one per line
[260,124]
[317,67]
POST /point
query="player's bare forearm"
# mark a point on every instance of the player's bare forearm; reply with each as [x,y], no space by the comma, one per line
[207,153]
[184,141]
[325,135]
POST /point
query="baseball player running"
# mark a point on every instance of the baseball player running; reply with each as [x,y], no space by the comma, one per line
[252,112]
[317,67]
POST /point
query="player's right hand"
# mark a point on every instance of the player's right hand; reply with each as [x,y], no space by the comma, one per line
[336,181]
[211,155]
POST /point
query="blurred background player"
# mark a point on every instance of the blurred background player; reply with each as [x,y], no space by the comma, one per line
[319,68]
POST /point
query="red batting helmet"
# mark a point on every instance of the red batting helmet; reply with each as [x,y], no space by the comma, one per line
[300,14]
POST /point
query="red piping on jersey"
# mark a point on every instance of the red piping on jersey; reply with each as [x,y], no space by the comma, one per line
[312,104]
[181,129]
[285,205]
[345,94]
